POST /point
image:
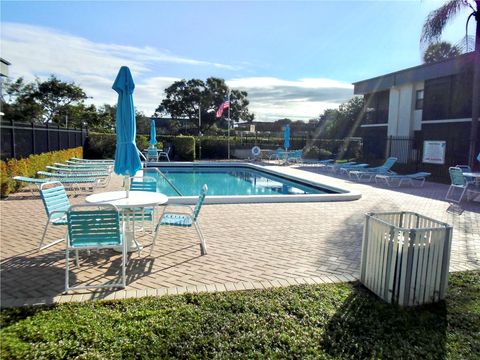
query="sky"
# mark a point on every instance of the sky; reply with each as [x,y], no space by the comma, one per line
[295,59]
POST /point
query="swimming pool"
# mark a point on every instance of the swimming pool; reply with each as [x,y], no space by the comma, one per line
[241,182]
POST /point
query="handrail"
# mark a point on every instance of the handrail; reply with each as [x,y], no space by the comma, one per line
[166,179]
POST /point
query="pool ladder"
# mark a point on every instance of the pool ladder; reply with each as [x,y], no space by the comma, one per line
[163,176]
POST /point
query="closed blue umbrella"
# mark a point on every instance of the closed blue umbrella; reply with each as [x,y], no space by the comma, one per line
[127,160]
[153,133]
[286,137]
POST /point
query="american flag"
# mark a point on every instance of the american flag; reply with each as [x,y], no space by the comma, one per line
[222,107]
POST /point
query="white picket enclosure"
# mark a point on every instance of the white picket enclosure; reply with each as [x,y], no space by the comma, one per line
[405,257]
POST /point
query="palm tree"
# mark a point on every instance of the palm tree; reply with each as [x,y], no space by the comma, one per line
[433,28]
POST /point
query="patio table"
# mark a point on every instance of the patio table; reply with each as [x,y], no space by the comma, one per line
[136,199]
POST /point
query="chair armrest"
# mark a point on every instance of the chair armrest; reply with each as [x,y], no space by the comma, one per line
[56,212]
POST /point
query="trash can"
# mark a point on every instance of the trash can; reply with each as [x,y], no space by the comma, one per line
[405,257]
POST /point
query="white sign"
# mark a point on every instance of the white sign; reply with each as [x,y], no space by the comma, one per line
[434,152]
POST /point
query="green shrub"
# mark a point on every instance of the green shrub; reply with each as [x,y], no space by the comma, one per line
[30,166]
[102,146]
[184,147]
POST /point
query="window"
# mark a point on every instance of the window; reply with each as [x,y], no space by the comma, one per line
[449,97]
[376,108]
[419,100]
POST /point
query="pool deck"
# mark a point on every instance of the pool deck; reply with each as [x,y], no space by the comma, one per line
[249,245]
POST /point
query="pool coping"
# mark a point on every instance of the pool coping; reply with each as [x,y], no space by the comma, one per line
[282,171]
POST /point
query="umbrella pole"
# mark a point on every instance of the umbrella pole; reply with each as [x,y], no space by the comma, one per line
[127,184]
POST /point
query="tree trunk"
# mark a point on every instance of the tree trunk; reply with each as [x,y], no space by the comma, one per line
[475,93]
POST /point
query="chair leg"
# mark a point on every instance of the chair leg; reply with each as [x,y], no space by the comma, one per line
[203,245]
[67,270]
[124,261]
[157,229]
[40,246]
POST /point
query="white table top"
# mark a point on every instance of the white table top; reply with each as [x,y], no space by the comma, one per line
[135,199]
[472,174]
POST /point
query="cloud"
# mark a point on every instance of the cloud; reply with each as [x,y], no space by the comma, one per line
[303,99]
[36,51]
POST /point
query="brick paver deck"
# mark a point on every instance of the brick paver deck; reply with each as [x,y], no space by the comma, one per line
[249,246]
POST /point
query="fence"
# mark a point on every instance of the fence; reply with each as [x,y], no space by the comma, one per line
[409,152]
[19,140]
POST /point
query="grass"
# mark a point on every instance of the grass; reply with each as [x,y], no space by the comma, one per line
[342,321]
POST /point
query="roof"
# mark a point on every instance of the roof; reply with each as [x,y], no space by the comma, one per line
[417,73]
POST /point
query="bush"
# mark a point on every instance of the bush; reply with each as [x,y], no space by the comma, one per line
[184,147]
[29,167]
[102,146]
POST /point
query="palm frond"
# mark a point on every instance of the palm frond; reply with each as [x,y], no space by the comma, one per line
[438,19]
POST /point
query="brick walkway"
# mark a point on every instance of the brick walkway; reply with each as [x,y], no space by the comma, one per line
[249,246]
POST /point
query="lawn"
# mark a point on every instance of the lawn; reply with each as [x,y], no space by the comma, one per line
[338,321]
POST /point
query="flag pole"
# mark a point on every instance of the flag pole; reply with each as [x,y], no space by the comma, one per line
[228,122]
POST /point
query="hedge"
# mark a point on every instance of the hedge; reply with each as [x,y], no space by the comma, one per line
[102,146]
[29,167]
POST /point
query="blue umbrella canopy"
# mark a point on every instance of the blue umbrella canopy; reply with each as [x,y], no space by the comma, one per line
[153,133]
[127,160]
[286,137]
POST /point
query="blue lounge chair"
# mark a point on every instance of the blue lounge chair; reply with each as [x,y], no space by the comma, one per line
[94,227]
[312,162]
[369,173]
[56,203]
[184,219]
[390,179]
[74,183]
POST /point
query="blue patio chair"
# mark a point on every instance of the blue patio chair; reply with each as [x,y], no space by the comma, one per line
[152,154]
[279,154]
[165,154]
[458,181]
[94,227]
[145,183]
[184,219]
[466,169]
[56,203]
[30,181]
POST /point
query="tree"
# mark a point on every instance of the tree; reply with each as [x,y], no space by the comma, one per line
[432,30]
[184,99]
[342,122]
[440,51]
[54,95]
[18,104]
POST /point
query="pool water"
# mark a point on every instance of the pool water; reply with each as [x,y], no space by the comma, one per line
[228,181]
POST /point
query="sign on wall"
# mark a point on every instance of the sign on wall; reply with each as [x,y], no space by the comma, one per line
[434,152]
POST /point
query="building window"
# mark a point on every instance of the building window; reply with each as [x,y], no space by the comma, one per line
[376,108]
[448,97]
[419,100]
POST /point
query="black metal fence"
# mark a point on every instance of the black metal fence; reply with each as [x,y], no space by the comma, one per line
[409,151]
[19,140]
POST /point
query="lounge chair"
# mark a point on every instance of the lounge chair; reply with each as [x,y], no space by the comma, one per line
[93,161]
[335,166]
[295,156]
[94,172]
[74,183]
[346,168]
[56,204]
[94,227]
[279,154]
[458,181]
[368,174]
[312,162]
[390,179]
[183,219]
[95,180]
